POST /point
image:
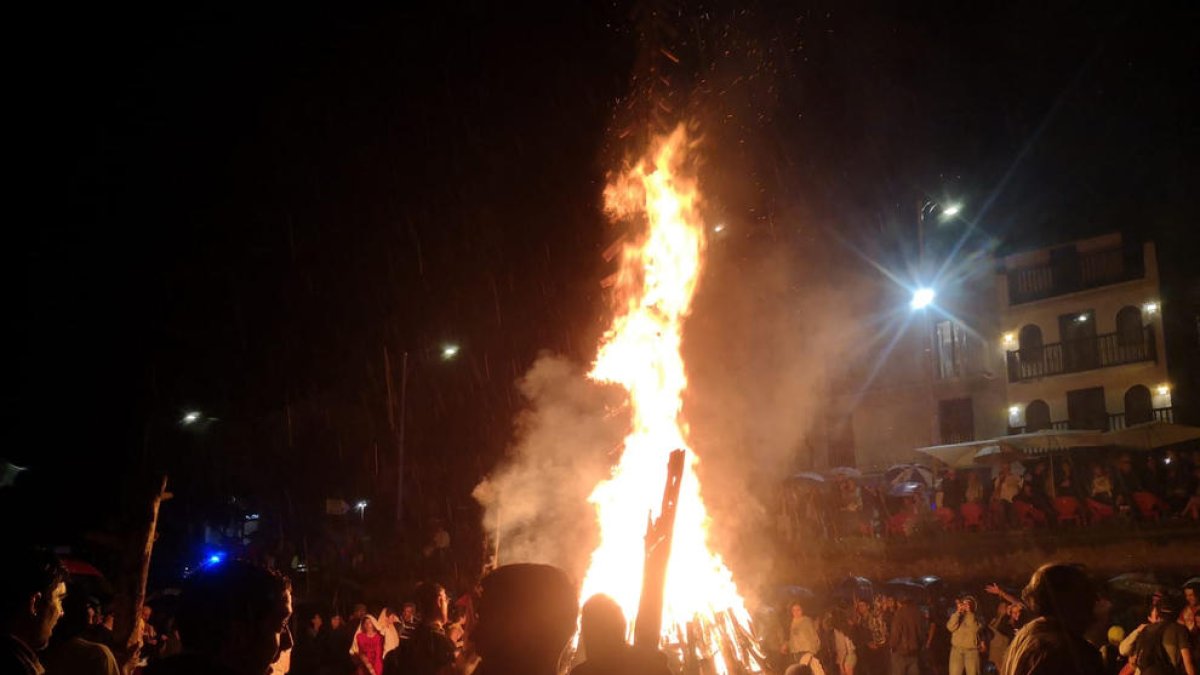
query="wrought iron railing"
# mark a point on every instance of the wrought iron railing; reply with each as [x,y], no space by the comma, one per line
[1077,273]
[1073,356]
[1118,421]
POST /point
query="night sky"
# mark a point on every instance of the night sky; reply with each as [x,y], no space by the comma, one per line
[238,211]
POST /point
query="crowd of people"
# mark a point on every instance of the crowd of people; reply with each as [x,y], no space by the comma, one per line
[238,618]
[1046,492]
[1061,622]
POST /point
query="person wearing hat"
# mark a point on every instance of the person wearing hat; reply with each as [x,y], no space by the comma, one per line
[965,645]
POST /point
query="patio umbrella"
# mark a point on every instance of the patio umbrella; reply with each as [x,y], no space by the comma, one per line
[844,472]
[1036,443]
[956,455]
[906,489]
[1137,583]
[907,473]
[1151,435]
[806,477]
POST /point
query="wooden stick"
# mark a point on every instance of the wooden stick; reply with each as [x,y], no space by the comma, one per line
[134,639]
[659,534]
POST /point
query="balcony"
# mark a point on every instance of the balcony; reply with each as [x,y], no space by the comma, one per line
[1116,421]
[1074,356]
[1073,273]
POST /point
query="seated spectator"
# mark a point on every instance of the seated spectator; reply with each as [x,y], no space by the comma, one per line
[1006,487]
[32,589]
[1191,509]
[1062,600]
[602,635]
[974,490]
[69,653]
[526,617]
[1065,486]
[1102,487]
[233,620]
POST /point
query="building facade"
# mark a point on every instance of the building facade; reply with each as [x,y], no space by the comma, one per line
[1063,337]
[1083,336]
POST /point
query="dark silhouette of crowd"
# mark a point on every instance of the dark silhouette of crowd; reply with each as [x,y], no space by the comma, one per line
[236,618]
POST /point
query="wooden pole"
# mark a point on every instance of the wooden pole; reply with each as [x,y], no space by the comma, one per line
[133,640]
[659,533]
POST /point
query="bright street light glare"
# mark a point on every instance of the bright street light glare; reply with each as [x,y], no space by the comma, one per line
[190,417]
[922,298]
[449,352]
[952,210]
[361,505]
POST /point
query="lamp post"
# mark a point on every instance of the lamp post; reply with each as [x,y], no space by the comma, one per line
[446,352]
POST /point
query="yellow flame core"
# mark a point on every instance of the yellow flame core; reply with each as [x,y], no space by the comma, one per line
[641,351]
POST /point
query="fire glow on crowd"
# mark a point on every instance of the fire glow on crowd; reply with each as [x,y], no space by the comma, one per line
[652,293]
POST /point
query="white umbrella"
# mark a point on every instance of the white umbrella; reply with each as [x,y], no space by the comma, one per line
[907,473]
[1151,435]
[956,455]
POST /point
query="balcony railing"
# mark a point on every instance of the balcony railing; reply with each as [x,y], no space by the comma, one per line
[1116,421]
[1073,356]
[1076,273]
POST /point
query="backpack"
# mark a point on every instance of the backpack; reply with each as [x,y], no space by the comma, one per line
[1152,657]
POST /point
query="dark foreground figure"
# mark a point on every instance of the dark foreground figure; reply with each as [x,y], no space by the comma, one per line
[1062,599]
[32,589]
[602,633]
[232,620]
[526,616]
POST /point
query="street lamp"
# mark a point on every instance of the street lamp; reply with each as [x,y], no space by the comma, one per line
[190,417]
[448,352]
[922,298]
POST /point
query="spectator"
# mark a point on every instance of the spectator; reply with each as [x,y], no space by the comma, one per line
[1004,628]
[1062,598]
[602,635]
[526,616]
[69,653]
[953,490]
[965,645]
[904,638]
[101,631]
[1102,487]
[309,653]
[428,650]
[367,648]
[845,656]
[337,657]
[1006,487]
[233,620]
[32,588]
[802,634]
[1163,646]
[974,493]
[408,620]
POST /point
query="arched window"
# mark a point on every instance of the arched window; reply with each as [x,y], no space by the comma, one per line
[1129,326]
[1032,359]
[1037,415]
[1139,407]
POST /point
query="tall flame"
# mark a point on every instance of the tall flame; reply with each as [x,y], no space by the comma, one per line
[641,351]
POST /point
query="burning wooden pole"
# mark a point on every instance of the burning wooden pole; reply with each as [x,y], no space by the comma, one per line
[659,532]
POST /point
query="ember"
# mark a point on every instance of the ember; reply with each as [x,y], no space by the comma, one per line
[703,617]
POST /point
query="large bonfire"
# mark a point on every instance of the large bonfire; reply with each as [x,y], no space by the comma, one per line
[659,267]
